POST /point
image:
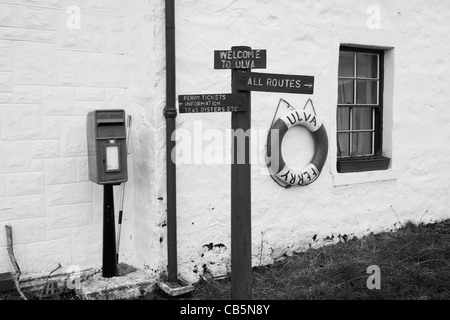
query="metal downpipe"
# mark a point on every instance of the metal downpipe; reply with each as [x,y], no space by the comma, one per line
[170,113]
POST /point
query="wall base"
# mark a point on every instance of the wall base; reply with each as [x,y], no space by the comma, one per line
[175,289]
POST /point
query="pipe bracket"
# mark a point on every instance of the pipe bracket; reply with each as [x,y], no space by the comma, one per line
[170,113]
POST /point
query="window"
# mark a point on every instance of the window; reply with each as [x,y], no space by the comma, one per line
[360,110]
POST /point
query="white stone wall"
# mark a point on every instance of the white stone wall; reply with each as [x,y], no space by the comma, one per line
[51,76]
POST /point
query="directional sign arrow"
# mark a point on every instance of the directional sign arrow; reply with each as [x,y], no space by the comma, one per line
[252,81]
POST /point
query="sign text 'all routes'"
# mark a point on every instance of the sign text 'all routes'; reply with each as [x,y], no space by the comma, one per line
[240,59]
[209,103]
[252,81]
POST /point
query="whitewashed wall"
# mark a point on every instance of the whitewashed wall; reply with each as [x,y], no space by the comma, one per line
[303,37]
[50,76]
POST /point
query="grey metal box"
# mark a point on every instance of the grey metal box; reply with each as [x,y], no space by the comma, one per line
[107,150]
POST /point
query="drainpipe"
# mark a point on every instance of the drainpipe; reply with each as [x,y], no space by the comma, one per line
[170,113]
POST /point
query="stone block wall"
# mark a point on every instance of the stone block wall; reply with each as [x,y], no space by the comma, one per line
[59,59]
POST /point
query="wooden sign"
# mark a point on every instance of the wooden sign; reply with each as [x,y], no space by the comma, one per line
[208,103]
[252,81]
[240,58]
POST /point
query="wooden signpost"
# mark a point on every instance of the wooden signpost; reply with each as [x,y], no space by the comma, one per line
[241,60]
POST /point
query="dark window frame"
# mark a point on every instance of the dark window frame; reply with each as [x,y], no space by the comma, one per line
[377,161]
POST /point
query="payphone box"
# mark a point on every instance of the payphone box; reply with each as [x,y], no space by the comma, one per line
[107,149]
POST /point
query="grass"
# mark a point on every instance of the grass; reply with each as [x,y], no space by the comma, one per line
[414,263]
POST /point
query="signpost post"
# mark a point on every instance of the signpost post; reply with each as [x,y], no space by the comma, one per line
[241,202]
[241,60]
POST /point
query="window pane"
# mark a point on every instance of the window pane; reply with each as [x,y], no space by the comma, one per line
[367,66]
[343,119]
[346,92]
[346,64]
[362,118]
[362,144]
[343,144]
[367,92]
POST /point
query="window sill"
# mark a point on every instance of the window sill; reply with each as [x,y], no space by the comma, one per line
[357,173]
[363,164]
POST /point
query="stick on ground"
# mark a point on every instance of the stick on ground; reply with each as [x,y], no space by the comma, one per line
[18,273]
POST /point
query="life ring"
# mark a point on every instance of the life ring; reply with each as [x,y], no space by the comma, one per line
[283,174]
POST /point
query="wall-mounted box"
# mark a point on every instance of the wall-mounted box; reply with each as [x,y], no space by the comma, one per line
[107,149]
